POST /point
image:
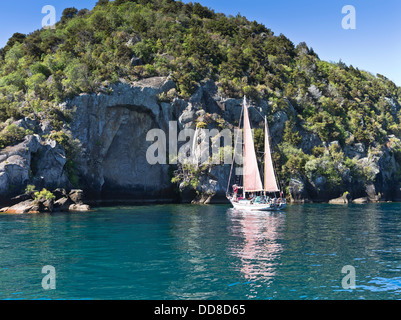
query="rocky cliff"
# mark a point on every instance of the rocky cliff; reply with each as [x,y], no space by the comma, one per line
[111,128]
[34,161]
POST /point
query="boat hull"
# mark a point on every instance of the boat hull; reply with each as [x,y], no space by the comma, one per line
[248,206]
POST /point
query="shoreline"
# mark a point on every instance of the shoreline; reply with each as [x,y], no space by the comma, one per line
[95,207]
[137,203]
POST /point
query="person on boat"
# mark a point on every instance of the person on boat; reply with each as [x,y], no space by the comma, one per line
[235,196]
[252,198]
[283,200]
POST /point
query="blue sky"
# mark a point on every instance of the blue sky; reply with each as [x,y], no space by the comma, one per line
[374,46]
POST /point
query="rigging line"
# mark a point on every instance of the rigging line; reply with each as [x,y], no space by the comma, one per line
[263,116]
[235,149]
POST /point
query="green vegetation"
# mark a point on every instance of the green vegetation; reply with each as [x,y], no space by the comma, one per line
[44,195]
[135,39]
[290,135]
[189,175]
[29,188]
[11,134]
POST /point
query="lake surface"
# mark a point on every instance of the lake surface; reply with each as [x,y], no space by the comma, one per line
[204,252]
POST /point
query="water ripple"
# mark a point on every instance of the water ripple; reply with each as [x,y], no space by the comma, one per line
[204,252]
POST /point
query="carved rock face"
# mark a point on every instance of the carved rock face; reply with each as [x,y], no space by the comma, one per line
[112,130]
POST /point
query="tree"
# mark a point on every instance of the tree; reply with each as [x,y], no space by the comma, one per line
[102,3]
[202,11]
[82,12]
[16,37]
[290,135]
[123,54]
[68,14]
[39,67]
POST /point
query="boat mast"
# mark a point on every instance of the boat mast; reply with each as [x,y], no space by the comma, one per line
[265,171]
[244,106]
[235,150]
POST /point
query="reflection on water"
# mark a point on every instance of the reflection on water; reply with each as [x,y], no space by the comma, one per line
[221,248]
[257,242]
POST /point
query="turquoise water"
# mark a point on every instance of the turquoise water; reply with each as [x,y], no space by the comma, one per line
[204,252]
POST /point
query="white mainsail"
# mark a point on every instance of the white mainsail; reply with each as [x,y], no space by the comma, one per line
[270,176]
[252,180]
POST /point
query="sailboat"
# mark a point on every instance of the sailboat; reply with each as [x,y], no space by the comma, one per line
[255,195]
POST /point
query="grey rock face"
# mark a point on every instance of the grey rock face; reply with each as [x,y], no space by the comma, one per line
[395,107]
[361,200]
[187,117]
[77,196]
[15,166]
[277,129]
[50,161]
[356,151]
[33,161]
[345,199]
[62,204]
[113,130]
[309,141]
[383,167]
[79,207]
[298,191]
[28,206]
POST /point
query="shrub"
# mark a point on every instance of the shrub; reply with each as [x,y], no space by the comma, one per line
[11,135]
[40,68]
[44,195]
[29,188]
[290,135]
[201,125]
